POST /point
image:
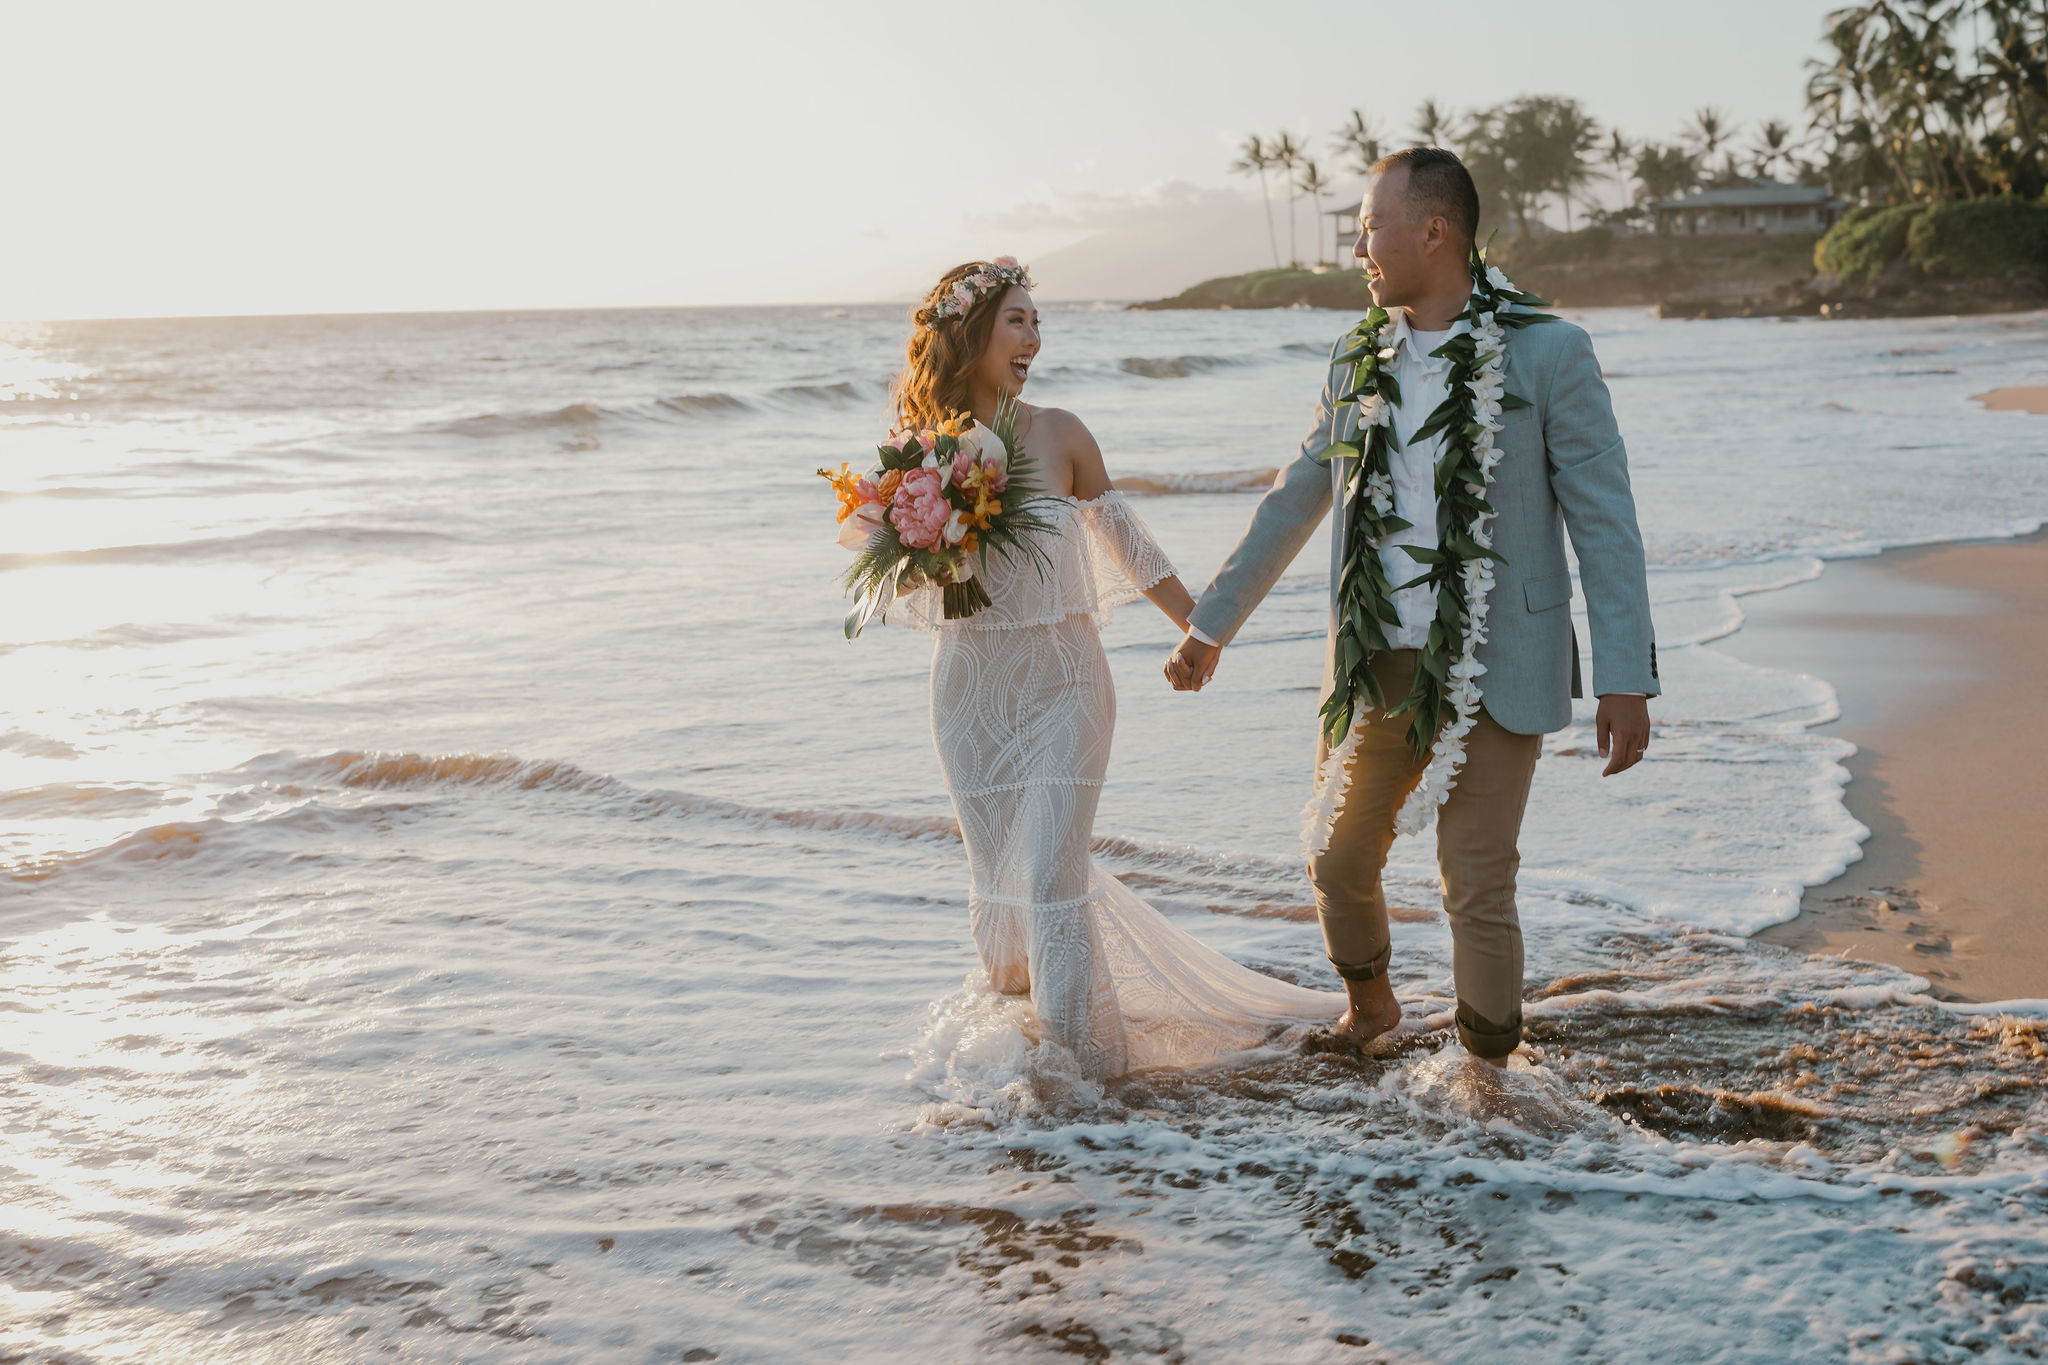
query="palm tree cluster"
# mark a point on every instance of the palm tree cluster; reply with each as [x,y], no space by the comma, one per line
[1300,175]
[1528,149]
[1933,99]
[1897,113]
[1526,153]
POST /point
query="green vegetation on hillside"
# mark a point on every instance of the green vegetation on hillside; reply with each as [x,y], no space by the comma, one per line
[1980,238]
[1933,117]
[1967,239]
[1591,268]
[1341,289]
[1865,241]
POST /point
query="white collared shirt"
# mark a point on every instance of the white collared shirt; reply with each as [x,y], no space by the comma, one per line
[1424,383]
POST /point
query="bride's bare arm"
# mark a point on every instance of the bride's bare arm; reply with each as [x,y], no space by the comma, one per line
[1173,598]
[1071,446]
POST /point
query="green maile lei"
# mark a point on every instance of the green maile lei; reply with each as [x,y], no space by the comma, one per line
[1443,703]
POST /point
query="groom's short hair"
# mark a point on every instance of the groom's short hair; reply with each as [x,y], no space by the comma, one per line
[1438,186]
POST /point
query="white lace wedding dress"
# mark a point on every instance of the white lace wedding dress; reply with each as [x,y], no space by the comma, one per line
[1022,711]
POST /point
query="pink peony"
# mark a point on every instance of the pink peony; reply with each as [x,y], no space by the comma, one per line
[1005,262]
[920,509]
[995,474]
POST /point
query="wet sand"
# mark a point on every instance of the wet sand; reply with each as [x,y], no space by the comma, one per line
[1937,655]
[2028,399]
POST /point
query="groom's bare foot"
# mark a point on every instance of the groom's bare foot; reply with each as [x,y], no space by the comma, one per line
[1374,1011]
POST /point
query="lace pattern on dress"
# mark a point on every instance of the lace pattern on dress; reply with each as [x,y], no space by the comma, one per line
[1123,558]
[1101,554]
[1023,712]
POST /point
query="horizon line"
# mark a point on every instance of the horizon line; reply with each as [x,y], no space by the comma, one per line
[466,312]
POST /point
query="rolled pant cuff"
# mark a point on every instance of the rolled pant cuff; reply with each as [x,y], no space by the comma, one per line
[1484,1038]
[1377,967]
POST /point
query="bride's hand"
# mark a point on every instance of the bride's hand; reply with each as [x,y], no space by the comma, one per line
[918,578]
[1192,664]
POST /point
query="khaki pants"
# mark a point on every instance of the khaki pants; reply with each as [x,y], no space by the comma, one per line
[1477,827]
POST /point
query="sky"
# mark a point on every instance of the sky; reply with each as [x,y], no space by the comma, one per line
[210,158]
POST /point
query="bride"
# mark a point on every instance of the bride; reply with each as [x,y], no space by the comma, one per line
[1022,710]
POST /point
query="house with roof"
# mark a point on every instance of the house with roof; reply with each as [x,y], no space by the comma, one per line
[1750,206]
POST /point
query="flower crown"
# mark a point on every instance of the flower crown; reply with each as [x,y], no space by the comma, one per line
[1000,273]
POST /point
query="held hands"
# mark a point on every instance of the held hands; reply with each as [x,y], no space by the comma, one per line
[1191,664]
[1623,727]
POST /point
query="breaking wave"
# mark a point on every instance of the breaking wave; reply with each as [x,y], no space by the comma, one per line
[833,395]
[573,416]
[295,541]
[285,790]
[1218,481]
[581,418]
[703,405]
[1174,367]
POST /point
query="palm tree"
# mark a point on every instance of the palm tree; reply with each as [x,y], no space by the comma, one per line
[1709,132]
[1664,172]
[1482,145]
[1529,148]
[1841,97]
[1893,92]
[1287,154]
[1773,146]
[1432,122]
[1572,135]
[2014,66]
[1252,159]
[1357,140]
[1312,183]
[1620,156]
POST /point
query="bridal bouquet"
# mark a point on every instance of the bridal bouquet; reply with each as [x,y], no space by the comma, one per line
[939,500]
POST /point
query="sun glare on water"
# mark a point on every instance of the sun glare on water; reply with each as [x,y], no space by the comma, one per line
[127,596]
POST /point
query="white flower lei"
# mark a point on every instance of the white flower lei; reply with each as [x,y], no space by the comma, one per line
[1486,391]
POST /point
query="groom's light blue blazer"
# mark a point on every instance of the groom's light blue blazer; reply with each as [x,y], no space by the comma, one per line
[1563,470]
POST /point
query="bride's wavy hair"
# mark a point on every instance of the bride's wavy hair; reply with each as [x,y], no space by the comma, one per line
[942,350]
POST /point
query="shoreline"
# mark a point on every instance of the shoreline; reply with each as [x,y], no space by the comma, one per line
[1934,652]
[2025,398]
[1681,278]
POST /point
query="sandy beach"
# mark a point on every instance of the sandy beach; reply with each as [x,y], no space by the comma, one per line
[1936,654]
[2031,398]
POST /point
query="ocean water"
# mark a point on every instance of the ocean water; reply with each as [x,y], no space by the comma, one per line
[461,899]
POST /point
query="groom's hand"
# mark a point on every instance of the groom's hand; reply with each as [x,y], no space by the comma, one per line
[1623,726]
[1191,664]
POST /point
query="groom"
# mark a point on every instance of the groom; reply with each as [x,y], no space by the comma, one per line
[1562,470]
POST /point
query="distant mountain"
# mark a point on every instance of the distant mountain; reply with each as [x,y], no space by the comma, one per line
[1162,242]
